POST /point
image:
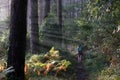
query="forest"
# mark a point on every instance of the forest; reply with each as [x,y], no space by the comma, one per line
[59,39]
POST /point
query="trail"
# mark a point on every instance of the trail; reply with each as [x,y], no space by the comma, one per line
[81,72]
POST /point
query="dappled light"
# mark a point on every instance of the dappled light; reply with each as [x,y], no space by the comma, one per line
[59,39]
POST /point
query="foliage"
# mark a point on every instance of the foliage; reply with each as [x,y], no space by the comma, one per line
[45,66]
[98,28]
[111,73]
[101,67]
[50,32]
[106,21]
[95,62]
[49,63]
[3,65]
[70,31]
[103,16]
[3,43]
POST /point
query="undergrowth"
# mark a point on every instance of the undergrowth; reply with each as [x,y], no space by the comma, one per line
[101,67]
[54,65]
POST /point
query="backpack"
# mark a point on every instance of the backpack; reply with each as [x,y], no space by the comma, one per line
[80,49]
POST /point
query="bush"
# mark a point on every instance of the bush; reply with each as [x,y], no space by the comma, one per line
[3,43]
[47,63]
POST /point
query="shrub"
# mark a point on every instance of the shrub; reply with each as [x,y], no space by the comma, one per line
[50,62]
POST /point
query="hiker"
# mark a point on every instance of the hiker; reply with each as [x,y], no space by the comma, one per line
[80,52]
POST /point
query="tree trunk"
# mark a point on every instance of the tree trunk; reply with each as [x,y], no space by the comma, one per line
[59,22]
[45,41]
[17,38]
[34,34]
[59,12]
[41,11]
[47,8]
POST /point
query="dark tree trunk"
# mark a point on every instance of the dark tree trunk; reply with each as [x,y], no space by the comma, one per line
[59,12]
[34,35]
[47,8]
[59,22]
[17,38]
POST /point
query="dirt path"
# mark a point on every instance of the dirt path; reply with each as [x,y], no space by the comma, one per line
[81,72]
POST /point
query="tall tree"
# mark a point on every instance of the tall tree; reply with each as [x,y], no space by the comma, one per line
[34,34]
[59,12]
[41,12]
[59,21]
[47,8]
[17,38]
[45,28]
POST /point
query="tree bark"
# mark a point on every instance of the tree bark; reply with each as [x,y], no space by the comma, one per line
[17,38]
[59,12]
[47,8]
[59,22]
[34,34]
[41,11]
